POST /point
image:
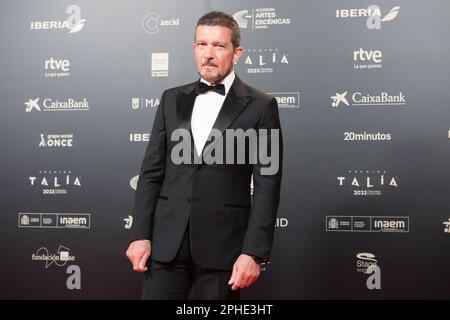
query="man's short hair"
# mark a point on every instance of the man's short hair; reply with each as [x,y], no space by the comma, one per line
[218,18]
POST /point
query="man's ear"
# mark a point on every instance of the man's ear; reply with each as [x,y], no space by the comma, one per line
[237,54]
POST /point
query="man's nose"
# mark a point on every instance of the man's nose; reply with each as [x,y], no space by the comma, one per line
[209,52]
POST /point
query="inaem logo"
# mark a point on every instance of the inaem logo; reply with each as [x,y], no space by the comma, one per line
[128,222]
[446,226]
[74,280]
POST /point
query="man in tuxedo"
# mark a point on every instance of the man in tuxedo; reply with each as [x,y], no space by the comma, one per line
[196,220]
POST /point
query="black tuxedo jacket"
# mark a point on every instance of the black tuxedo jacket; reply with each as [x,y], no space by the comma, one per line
[213,199]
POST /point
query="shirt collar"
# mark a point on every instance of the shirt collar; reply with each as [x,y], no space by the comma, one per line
[227,81]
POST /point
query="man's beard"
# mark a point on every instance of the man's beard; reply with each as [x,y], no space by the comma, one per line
[211,75]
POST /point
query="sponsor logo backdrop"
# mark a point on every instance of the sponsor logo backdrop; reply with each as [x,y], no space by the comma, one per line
[365,108]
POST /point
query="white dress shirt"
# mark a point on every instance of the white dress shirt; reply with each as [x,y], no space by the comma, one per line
[206,109]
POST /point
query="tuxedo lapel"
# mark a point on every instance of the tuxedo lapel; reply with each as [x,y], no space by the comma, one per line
[237,99]
[185,105]
[235,102]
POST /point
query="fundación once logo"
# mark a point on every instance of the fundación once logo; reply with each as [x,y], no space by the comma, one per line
[60,258]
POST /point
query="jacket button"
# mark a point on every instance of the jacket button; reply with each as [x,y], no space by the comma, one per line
[199,167]
[188,200]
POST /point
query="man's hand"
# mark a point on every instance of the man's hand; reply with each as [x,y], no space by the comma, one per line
[138,253]
[245,272]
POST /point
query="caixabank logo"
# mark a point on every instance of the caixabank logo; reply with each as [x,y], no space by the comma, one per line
[58,105]
[363,99]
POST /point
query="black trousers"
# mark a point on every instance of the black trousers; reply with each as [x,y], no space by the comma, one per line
[182,279]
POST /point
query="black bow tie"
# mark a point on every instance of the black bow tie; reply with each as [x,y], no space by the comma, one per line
[203,87]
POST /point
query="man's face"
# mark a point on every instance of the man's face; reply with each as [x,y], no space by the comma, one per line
[214,52]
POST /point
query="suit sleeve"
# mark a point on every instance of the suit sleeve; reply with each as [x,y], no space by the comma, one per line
[150,178]
[266,187]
